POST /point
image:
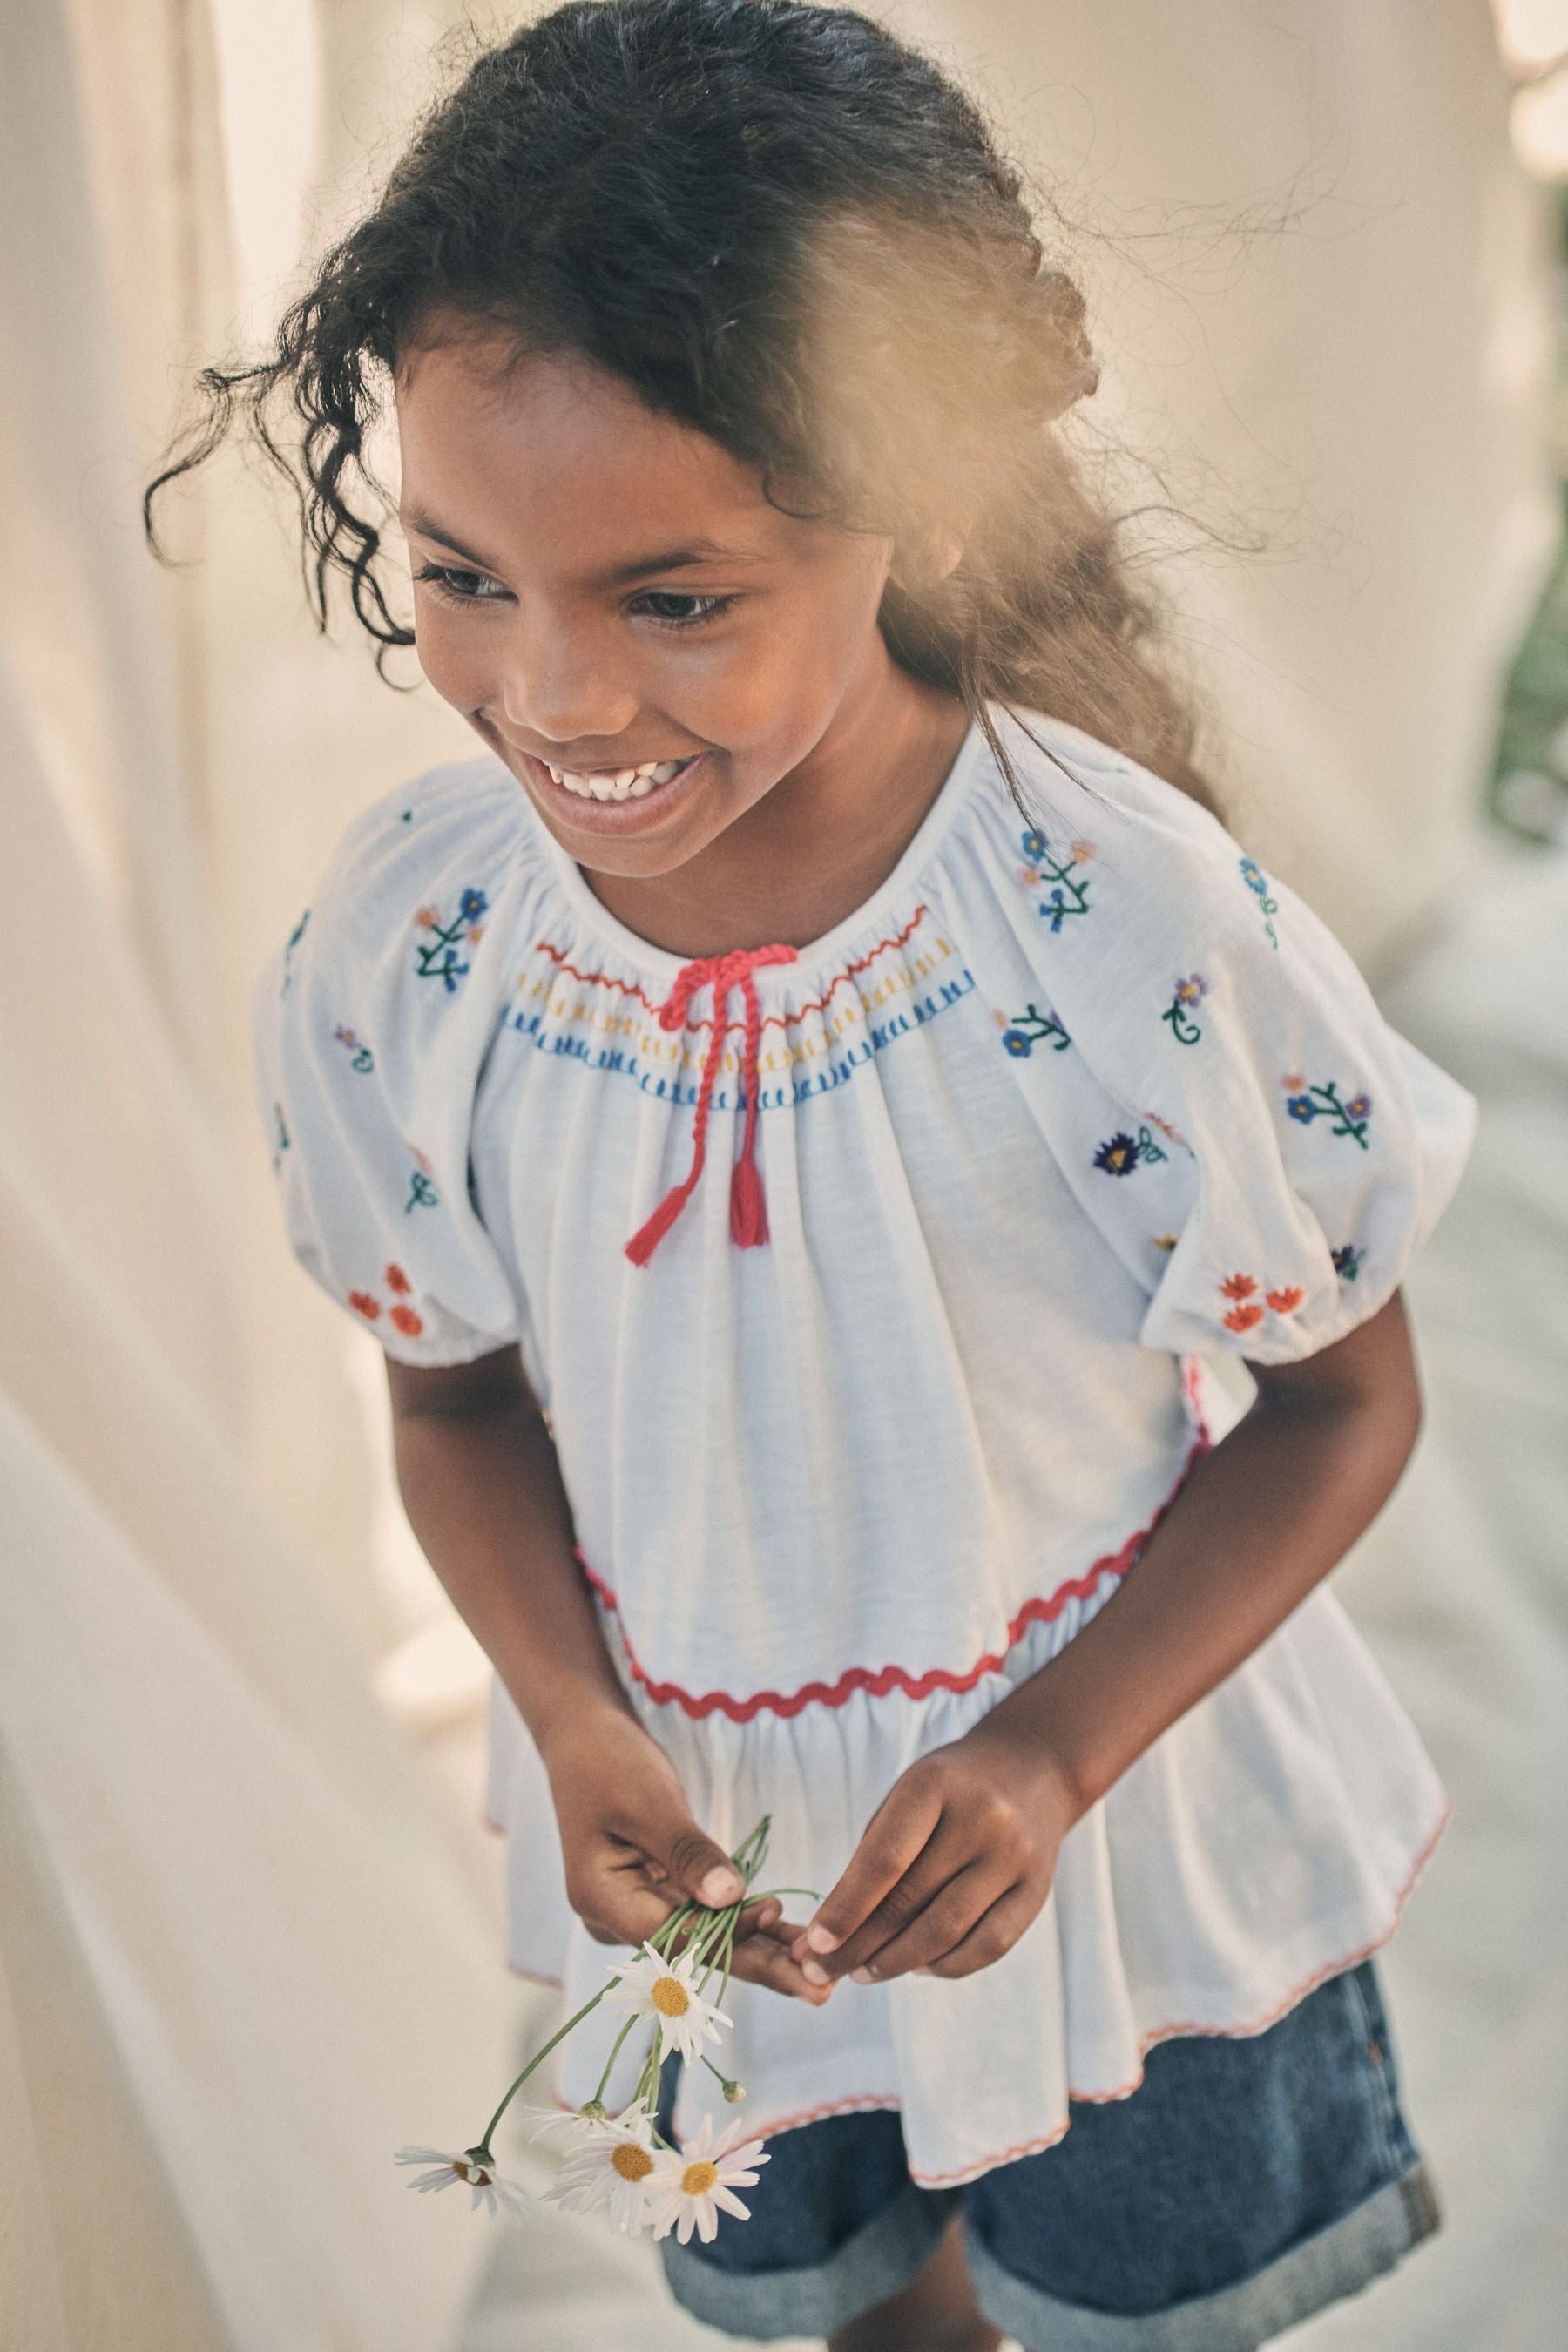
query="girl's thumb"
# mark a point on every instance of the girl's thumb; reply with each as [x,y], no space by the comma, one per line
[699,1868]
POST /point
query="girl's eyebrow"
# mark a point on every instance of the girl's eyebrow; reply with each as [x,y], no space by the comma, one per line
[675,558]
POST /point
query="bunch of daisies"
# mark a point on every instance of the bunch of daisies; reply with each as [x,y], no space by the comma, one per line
[621,2165]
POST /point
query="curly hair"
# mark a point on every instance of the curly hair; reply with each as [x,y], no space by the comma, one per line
[785,228]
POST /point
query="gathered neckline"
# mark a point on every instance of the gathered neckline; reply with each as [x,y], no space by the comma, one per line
[829,947]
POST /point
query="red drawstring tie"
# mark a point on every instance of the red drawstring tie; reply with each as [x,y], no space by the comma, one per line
[748,1212]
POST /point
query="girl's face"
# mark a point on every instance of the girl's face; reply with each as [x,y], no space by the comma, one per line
[599,589]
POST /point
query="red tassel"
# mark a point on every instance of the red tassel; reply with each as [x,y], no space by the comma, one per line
[747,1209]
[646,1238]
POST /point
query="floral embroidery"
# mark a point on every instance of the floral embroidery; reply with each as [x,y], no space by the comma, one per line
[364,1060]
[1187,994]
[1172,1134]
[1347,1262]
[1119,1154]
[403,1317]
[1257,881]
[295,936]
[1031,1028]
[1307,1103]
[1248,1316]
[438,958]
[1066,897]
[1164,1241]
[422,1193]
[280,1142]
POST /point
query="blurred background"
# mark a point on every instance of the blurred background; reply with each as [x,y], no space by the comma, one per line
[249,1916]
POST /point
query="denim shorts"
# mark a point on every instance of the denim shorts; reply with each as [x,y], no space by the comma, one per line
[1247,2182]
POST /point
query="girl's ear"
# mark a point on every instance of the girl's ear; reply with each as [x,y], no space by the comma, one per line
[928,564]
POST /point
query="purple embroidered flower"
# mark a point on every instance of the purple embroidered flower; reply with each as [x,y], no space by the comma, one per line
[1117,1155]
[1359,1106]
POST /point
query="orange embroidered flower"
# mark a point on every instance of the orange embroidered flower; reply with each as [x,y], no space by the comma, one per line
[364,1304]
[1083,851]
[1285,1302]
[397,1280]
[1238,1286]
[1242,1319]
[407,1320]
[1294,1084]
[426,919]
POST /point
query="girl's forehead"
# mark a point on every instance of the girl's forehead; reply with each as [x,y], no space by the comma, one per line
[552,449]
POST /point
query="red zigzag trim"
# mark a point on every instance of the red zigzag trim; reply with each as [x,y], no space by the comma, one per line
[769,1020]
[877,1683]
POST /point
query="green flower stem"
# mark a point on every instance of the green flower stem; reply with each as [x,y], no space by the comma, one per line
[482,2147]
[615,2054]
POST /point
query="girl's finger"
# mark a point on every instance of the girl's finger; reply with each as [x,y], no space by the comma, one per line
[941,1861]
[939,1928]
[762,1959]
[894,1837]
[995,1932]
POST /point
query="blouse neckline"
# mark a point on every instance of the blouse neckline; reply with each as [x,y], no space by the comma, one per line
[660,963]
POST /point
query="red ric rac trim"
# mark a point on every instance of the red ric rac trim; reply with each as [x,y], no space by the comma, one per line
[878,1682]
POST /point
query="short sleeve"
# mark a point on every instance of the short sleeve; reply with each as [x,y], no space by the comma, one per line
[1261,1150]
[372,1029]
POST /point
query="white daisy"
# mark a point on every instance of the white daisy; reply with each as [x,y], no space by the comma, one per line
[651,1986]
[468,2170]
[689,2190]
[609,2165]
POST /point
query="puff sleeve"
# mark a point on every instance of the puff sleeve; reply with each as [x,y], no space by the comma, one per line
[1263,1152]
[372,1029]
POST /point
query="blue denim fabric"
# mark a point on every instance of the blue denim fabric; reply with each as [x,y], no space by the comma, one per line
[1247,2182]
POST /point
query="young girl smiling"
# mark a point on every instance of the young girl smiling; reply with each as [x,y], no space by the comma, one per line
[797,1112]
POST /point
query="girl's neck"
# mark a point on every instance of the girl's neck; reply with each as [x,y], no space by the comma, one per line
[816,848]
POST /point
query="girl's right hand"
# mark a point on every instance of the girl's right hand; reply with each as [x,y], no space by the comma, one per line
[633,1851]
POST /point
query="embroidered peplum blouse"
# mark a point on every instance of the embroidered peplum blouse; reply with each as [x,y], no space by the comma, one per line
[868,1290]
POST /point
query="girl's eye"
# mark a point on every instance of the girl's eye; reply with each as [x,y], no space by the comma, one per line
[689,612]
[463,587]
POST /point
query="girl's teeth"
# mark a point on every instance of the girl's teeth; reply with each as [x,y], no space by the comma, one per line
[619,785]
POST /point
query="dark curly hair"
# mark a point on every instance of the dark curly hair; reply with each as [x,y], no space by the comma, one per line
[783,228]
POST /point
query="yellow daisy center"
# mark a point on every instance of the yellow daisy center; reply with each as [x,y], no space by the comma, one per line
[632,2162]
[698,2178]
[669,1997]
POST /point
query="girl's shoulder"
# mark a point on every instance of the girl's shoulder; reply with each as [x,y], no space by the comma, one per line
[446,839]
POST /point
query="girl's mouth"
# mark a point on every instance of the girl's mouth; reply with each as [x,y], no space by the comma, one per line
[618,783]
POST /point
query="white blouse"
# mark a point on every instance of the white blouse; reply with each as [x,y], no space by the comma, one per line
[867,1289]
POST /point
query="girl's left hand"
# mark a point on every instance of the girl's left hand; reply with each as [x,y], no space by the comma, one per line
[954,1864]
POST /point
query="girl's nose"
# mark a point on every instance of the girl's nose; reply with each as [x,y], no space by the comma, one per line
[559,690]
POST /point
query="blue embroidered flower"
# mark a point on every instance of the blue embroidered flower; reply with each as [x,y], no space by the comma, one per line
[1068,896]
[1031,1028]
[1257,881]
[438,958]
[1307,1103]
[1347,1262]
[472,905]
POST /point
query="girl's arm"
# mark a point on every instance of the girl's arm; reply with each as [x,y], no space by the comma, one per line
[959,1858]
[482,1487]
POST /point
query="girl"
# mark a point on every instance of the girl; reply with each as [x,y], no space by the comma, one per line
[797,1111]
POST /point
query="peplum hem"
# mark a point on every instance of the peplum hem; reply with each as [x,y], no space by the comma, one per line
[1268,1841]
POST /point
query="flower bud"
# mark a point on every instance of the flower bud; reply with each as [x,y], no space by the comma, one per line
[734,2093]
